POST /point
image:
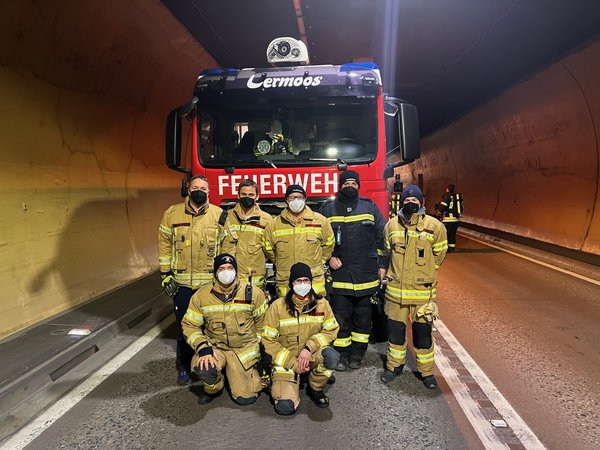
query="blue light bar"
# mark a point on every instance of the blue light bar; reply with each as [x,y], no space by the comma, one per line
[349,67]
[219,73]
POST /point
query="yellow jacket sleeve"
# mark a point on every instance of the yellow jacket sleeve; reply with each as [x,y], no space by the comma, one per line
[192,325]
[270,335]
[328,240]
[327,334]
[387,246]
[260,308]
[268,242]
[165,243]
[440,245]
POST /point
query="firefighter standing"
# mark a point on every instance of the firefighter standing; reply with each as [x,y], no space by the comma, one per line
[243,234]
[450,209]
[187,244]
[417,245]
[222,324]
[358,229]
[298,329]
[299,234]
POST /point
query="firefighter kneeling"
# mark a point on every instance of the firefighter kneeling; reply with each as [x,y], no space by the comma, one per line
[222,324]
[297,332]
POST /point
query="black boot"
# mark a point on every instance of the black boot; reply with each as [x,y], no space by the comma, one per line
[206,398]
[342,365]
[355,362]
[430,382]
[390,375]
[318,397]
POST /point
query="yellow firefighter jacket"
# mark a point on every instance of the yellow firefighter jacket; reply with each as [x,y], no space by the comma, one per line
[416,250]
[226,321]
[284,336]
[243,238]
[187,243]
[308,239]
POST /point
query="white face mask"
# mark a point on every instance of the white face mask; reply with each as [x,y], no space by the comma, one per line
[297,205]
[302,289]
[226,276]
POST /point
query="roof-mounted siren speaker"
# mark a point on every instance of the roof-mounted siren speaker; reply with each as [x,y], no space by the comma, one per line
[287,51]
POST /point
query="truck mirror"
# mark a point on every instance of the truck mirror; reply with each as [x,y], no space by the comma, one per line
[409,126]
[388,172]
[173,140]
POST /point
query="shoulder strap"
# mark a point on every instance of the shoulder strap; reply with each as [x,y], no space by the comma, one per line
[248,291]
[223,218]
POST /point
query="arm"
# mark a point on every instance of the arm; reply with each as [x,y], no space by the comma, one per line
[191,326]
[260,308]
[387,246]
[328,243]
[440,245]
[327,334]
[270,335]
[165,244]
[269,242]
[382,259]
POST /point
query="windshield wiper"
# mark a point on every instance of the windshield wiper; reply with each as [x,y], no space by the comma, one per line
[270,163]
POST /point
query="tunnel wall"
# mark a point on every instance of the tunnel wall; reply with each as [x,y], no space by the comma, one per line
[527,162]
[85,89]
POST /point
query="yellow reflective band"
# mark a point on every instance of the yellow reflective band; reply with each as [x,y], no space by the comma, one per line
[246,227]
[356,287]
[165,230]
[260,310]
[444,203]
[195,276]
[397,354]
[195,335]
[440,245]
[424,357]
[330,324]
[321,339]
[330,240]
[319,288]
[164,260]
[411,293]
[279,369]
[397,233]
[450,219]
[301,320]
[387,245]
[282,356]
[194,317]
[243,357]
[380,252]
[268,245]
[360,337]
[296,230]
[347,219]
[323,370]
[227,307]
[270,332]
[342,342]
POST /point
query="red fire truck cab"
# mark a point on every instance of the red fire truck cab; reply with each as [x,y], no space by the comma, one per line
[298,124]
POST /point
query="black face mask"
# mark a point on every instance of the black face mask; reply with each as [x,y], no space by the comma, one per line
[247,202]
[347,194]
[199,197]
[410,208]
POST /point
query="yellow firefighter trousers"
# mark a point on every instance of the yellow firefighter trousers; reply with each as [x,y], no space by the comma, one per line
[396,354]
[242,383]
[286,383]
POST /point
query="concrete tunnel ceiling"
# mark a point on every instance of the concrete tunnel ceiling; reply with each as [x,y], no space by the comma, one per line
[445,56]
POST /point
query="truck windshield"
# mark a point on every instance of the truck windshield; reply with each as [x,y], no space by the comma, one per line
[248,130]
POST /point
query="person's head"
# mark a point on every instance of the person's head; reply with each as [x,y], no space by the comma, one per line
[247,193]
[412,199]
[199,190]
[349,186]
[225,269]
[300,280]
[450,188]
[295,196]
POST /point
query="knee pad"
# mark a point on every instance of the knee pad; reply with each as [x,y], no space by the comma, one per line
[421,335]
[245,400]
[285,407]
[331,357]
[396,332]
[207,376]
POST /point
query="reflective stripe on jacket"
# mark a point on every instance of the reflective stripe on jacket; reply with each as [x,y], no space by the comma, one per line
[244,240]
[308,239]
[416,251]
[232,324]
[358,231]
[188,243]
[284,336]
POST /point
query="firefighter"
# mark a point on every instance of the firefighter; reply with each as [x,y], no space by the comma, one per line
[358,265]
[297,331]
[417,246]
[450,210]
[187,244]
[222,325]
[243,234]
[299,234]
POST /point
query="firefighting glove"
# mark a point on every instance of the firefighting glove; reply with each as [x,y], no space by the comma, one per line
[428,311]
[170,285]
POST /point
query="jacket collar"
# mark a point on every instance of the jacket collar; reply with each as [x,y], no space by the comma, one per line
[308,215]
[253,217]
[190,210]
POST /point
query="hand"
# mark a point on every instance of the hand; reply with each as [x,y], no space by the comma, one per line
[382,273]
[170,285]
[206,362]
[302,361]
[335,263]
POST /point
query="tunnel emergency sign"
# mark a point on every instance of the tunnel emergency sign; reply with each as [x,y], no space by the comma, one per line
[315,183]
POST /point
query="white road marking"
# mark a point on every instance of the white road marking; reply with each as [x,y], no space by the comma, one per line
[541,263]
[32,430]
[482,426]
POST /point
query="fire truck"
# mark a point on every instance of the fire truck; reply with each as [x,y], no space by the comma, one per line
[292,123]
